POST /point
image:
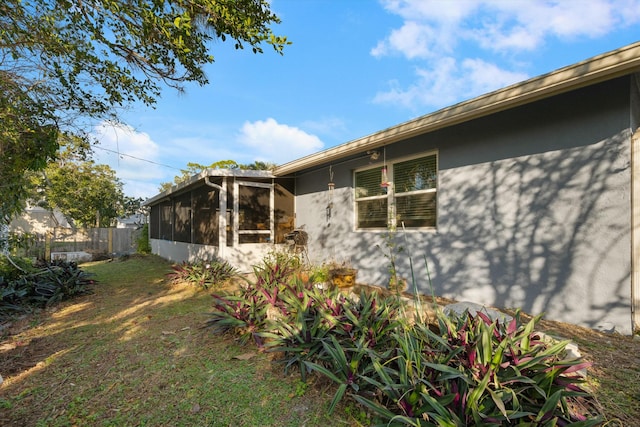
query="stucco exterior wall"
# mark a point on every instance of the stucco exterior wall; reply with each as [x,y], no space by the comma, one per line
[243,257]
[533,211]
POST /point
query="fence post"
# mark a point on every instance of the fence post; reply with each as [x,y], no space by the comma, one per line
[110,241]
[47,245]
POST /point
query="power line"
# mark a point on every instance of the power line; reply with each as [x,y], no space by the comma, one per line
[137,158]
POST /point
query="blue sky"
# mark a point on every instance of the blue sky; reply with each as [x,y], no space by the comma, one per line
[355,67]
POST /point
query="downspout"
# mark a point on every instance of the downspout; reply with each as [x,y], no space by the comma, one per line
[222,216]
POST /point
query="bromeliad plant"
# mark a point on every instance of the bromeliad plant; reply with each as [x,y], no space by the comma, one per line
[474,371]
[334,334]
[204,273]
[246,313]
[304,324]
[459,371]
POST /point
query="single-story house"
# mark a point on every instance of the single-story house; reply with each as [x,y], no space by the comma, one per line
[39,221]
[528,196]
[134,221]
[236,215]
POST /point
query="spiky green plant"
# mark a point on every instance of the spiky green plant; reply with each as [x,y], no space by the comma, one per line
[206,274]
[474,371]
[43,284]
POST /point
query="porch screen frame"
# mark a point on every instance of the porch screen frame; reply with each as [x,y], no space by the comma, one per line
[236,211]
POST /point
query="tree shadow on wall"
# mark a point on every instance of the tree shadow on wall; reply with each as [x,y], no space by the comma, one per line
[547,233]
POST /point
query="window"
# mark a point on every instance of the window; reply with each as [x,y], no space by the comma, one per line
[166,211]
[409,196]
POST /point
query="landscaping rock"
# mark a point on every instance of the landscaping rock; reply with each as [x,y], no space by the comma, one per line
[572,350]
[472,307]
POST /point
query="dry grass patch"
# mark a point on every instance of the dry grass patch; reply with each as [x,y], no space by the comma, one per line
[134,353]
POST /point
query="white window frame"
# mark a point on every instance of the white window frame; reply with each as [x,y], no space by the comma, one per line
[392,194]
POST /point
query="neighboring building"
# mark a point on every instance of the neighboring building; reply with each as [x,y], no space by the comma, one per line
[38,221]
[135,221]
[524,197]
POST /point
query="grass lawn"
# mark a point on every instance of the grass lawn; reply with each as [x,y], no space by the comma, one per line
[134,354]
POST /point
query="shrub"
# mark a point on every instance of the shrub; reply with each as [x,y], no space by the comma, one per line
[14,267]
[246,313]
[243,315]
[206,274]
[277,268]
[473,371]
[304,321]
[461,370]
[44,284]
[143,245]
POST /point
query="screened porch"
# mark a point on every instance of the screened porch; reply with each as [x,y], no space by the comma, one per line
[230,214]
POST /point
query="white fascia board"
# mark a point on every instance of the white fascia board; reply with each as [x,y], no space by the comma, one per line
[238,173]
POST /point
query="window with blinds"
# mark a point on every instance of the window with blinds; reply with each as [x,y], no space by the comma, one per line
[409,199]
[371,199]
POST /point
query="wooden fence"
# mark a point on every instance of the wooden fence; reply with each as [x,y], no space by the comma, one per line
[94,241]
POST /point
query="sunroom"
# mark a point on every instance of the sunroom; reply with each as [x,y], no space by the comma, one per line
[236,215]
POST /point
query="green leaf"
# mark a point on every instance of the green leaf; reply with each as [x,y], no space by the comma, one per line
[337,397]
[498,401]
[550,405]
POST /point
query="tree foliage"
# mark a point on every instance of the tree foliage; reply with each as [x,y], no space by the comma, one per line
[66,63]
[27,141]
[88,193]
[91,56]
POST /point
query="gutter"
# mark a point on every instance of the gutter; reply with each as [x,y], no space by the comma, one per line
[206,174]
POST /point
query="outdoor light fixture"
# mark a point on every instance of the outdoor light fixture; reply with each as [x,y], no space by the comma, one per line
[373,154]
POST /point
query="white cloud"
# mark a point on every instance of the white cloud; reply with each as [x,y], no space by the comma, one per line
[271,141]
[450,42]
[413,40]
[439,26]
[442,85]
[332,126]
[141,163]
[484,76]
[134,157]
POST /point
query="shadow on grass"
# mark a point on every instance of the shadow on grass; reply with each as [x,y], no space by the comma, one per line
[134,353]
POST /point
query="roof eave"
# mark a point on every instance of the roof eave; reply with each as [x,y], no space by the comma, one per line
[238,173]
[607,66]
